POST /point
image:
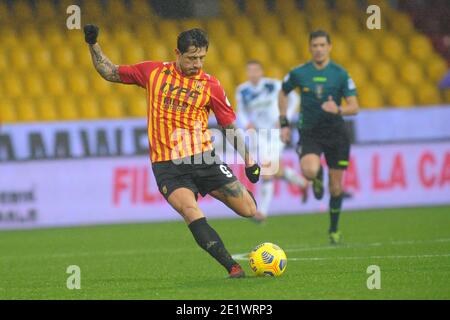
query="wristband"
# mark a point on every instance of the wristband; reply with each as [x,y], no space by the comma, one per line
[284,122]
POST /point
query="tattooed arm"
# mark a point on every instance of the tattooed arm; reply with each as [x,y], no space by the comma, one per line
[103,65]
[235,138]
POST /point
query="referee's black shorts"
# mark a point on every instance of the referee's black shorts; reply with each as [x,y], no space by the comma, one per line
[194,173]
[334,143]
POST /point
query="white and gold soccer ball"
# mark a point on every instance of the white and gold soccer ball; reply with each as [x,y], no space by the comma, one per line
[268,259]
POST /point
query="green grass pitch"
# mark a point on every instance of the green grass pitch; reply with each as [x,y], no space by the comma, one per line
[162,261]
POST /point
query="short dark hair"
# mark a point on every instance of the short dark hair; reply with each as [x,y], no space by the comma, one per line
[254,61]
[319,34]
[193,37]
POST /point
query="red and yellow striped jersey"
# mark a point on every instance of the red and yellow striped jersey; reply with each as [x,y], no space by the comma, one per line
[178,108]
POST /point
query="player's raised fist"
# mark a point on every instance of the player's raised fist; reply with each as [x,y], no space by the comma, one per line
[253,173]
[90,33]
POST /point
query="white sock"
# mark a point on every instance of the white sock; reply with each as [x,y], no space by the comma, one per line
[294,178]
[266,195]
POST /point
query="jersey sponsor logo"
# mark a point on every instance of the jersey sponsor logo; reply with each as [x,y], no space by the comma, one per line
[320,79]
[168,88]
[351,84]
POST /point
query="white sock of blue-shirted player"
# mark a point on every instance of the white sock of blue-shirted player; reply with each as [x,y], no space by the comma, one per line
[266,197]
[293,177]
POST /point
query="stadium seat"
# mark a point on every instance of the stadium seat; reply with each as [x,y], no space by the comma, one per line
[7,111]
[142,9]
[358,73]
[63,57]
[275,71]
[393,48]
[347,6]
[45,108]
[218,31]
[67,108]
[159,52]
[117,10]
[137,107]
[21,11]
[347,24]
[13,86]
[420,47]
[89,107]
[168,31]
[400,96]
[243,29]
[370,97]
[187,24]
[233,54]
[229,9]
[436,68]
[285,53]
[25,109]
[41,58]
[401,24]
[428,94]
[341,52]
[286,7]
[77,82]
[19,58]
[269,27]
[255,8]
[411,72]
[112,107]
[384,74]
[365,49]
[258,49]
[320,21]
[313,7]
[133,54]
[296,29]
[55,84]
[33,84]
[112,51]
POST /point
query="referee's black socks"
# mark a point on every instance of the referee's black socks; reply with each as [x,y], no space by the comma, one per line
[209,240]
[335,211]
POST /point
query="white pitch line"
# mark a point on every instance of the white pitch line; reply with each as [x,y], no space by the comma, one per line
[244,256]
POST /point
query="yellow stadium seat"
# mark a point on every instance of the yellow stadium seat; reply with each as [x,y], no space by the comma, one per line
[255,8]
[133,54]
[320,21]
[112,107]
[93,10]
[53,36]
[436,68]
[229,8]
[296,29]
[285,53]
[142,9]
[13,86]
[89,107]
[269,28]
[370,97]
[400,96]
[286,7]
[347,24]
[275,71]
[243,29]
[159,52]
[168,27]
[41,58]
[33,84]
[137,107]
[99,85]
[347,6]
[384,74]
[112,51]
[55,84]
[411,72]
[63,57]
[315,6]
[67,108]
[45,108]
[258,49]
[401,24]
[187,24]
[26,109]
[428,94]
[341,52]
[3,61]
[7,111]
[117,9]
[358,73]
[77,82]
[19,58]
[45,10]
[213,55]
[22,10]
[122,37]
[233,54]
[225,76]
[420,47]
[365,49]
[217,30]
[393,48]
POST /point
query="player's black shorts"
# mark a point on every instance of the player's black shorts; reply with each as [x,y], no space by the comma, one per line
[201,177]
[334,143]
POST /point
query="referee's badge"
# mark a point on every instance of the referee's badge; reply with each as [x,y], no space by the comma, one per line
[198,85]
[319,91]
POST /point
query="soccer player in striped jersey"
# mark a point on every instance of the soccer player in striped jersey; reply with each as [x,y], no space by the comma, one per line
[180,96]
[257,108]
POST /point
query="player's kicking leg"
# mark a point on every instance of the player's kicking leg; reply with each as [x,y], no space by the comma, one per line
[292,177]
[183,200]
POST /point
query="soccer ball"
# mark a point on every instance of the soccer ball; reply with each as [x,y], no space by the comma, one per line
[267,259]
